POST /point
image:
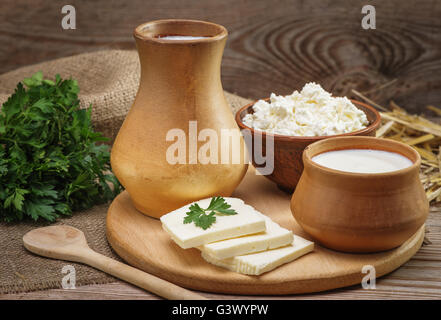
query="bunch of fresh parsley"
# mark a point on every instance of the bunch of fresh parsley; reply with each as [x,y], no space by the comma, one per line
[204,218]
[50,162]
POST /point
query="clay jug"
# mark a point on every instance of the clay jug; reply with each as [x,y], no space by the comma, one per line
[180,91]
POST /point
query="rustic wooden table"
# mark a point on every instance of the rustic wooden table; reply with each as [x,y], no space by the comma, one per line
[274,46]
[419,278]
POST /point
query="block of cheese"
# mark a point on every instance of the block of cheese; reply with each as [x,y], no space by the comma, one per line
[245,222]
[273,237]
[261,262]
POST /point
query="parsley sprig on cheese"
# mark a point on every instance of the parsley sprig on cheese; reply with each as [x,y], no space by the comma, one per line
[204,218]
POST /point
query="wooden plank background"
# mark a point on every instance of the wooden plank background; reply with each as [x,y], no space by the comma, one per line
[274,46]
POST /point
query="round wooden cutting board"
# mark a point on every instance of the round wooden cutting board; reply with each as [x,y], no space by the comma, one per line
[141,242]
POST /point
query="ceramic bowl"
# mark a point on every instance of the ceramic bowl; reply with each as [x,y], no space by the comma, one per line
[288,164]
[359,212]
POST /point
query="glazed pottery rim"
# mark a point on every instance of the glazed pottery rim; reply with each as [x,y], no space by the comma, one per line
[307,158]
[138,32]
[371,127]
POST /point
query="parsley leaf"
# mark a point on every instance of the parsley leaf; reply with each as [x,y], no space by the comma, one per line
[204,218]
[50,161]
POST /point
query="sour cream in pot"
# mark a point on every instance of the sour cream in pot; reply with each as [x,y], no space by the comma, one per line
[362,160]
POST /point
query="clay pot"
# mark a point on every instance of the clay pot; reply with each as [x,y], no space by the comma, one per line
[180,82]
[288,164]
[359,212]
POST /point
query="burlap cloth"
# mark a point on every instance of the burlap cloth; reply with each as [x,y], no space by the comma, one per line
[108,80]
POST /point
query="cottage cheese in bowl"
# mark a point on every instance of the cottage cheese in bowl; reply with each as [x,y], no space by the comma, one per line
[310,112]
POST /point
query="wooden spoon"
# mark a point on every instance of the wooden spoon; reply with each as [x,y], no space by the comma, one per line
[68,243]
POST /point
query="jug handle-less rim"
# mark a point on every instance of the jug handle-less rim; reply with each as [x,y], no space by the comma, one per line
[151,30]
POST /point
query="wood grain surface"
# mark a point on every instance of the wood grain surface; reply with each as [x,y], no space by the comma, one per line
[419,278]
[274,46]
[64,242]
[141,241]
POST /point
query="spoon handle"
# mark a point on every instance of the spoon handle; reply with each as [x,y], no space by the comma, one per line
[139,278]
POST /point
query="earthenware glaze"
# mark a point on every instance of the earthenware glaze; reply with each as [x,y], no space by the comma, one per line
[359,212]
[180,82]
[288,164]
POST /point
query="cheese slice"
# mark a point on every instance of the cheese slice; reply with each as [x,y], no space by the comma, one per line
[245,222]
[261,262]
[274,237]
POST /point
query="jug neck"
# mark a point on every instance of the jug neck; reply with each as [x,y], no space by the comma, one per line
[180,64]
